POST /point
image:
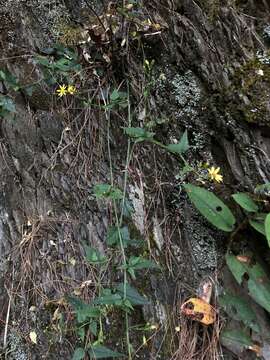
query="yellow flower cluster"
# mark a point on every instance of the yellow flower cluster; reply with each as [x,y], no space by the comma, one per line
[63,90]
[214,175]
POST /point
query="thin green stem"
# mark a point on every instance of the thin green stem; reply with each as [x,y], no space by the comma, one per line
[128,158]
[119,221]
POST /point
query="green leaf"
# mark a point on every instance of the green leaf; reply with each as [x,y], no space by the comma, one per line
[236,338]
[81,332]
[117,98]
[139,133]
[267,228]
[180,147]
[10,80]
[113,237]
[236,267]
[246,202]
[257,225]
[259,286]
[107,191]
[78,354]
[2,75]
[118,95]
[63,64]
[93,327]
[102,352]
[29,90]
[108,298]
[69,53]
[114,95]
[239,309]
[211,207]
[102,190]
[128,208]
[258,282]
[132,295]
[257,222]
[93,256]
[186,169]
[83,311]
[43,60]
[7,104]
[127,306]
[138,263]
[131,272]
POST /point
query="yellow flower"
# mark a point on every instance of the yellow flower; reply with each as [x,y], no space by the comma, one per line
[62,90]
[71,89]
[214,175]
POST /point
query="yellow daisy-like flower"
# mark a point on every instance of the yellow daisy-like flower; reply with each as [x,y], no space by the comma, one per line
[71,89]
[214,175]
[62,90]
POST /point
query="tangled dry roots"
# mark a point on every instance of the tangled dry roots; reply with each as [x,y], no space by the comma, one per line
[198,342]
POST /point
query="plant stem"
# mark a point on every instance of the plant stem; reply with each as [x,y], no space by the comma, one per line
[128,158]
[119,221]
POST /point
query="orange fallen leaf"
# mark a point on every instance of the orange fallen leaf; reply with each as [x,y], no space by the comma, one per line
[199,310]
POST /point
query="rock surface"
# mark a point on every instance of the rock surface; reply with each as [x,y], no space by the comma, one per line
[211,77]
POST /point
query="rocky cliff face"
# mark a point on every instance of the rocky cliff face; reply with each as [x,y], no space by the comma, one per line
[210,76]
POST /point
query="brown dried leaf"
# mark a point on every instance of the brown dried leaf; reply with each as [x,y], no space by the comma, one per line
[257,349]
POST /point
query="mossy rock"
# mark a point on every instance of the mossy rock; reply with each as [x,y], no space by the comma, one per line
[249,95]
[211,8]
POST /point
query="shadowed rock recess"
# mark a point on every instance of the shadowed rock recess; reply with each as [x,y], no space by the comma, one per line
[210,76]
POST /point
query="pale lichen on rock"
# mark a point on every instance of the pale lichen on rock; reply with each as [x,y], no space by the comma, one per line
[16,348]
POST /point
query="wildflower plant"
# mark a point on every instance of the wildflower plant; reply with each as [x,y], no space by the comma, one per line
[71,89]
[59,64]
[214,174]
[64,90]
[122,295]
[221,216]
